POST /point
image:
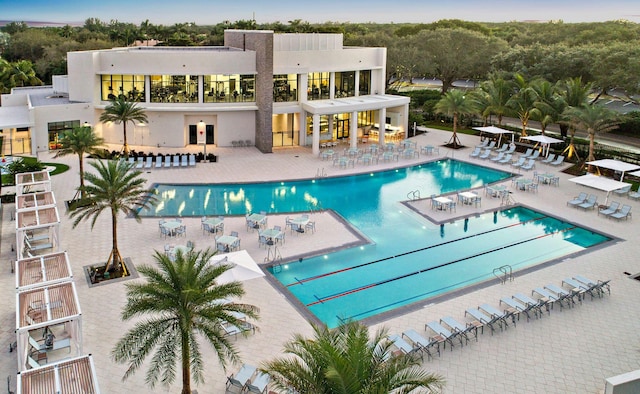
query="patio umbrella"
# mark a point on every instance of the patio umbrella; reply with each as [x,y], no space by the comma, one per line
[494,130]
[244,266]
[615,165]
[600,183]
[544,140]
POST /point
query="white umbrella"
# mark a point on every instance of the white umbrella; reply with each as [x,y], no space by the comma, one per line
[615,165]
[546,141]
[244,266]
[495,130]
[600,183]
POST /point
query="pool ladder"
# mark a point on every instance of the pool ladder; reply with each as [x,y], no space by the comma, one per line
[503,273]
[274,255]
[413,195]
[321,173]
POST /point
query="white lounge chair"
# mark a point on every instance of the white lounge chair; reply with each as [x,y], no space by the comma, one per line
[634,195]
[498,157]
[549,158]
[519,163]
[535,155]
[590,202]
[167,161]
[581,288]
[483,319]
[564,294]
[496,313]
[530,302]
[622,191]
[612,208]
[476,152]
[192,160]
[158,161]
[176,161]
[601,284]
[483,144]
[148,162]
[425,345]
[485,154]
[442,334]
[531,164]
[504,148]
[582,197]
[517,308]
[240,379]
[184,161]
[140,162]
[460,329]
[506,159]
[403,346]
[623,213]
[559,160]
[258,384]
[528,153]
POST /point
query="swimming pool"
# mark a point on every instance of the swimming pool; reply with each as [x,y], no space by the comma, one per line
[410,259]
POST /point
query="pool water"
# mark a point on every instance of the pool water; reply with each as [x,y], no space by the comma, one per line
[410,259]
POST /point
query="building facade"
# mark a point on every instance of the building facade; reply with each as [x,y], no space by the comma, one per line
[260,89]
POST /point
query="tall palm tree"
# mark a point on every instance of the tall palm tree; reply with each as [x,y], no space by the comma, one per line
[576,95]
[497,92]
[116,188]
[182,300]
[345,360]
[78,141]
[120,110]
[522,101]
[548,104]
[454,103]
[594,119]
[22,73]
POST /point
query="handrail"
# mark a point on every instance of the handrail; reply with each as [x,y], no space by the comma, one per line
[321,173]
[413,195]
[506,273]
[273,256]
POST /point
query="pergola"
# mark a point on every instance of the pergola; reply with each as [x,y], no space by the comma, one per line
[44,270]
[35,200]
[37,229]
[30,182]
[615,165]
[494,130]
[51,309]
[74,376]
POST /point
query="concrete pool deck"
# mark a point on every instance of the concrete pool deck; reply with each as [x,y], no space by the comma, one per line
[569,351]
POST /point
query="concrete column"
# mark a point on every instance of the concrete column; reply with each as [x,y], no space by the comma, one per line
[302,87]
[382,121]
[332,85]
[331,124]
[357,83]
[353,129]
[315,140]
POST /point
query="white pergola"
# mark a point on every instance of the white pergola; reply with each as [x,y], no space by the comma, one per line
[77,375]
[494,130]
[615,165]
[37,230]
[601,183]
[30,182]
[54,309]
[44,270]
[543,140]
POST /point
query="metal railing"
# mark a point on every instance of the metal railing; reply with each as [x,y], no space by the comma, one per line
[273,255]
[503,273]
[413,195]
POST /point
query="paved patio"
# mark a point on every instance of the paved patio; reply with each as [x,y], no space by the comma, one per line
[572,351]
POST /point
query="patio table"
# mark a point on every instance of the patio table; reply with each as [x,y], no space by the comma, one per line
[443,203]
[172,226]
[271,234]
[214,223]
[468,197]
[256,220]
[227,241]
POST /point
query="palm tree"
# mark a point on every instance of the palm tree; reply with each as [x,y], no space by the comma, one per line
[78,141]
[595,120]
[548,104]
[21,73]
[183,300]
[497,92]
[345,360]
[454,103]
[118,188]
[576,95]
[522,101]
[120,110]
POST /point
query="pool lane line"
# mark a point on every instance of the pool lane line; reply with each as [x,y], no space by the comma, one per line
[301,281]
[322,300]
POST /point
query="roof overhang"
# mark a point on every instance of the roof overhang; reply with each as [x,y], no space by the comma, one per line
[353,104]
[15,117]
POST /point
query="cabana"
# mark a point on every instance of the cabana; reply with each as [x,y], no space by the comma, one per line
[41,271]
[494,130]
[47,310]
[543,140]
[600,183]
[30,182]
[615,165]
[77,375]
[35,200]
[37,229]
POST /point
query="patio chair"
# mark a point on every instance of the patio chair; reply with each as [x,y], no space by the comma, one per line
[512,148]
[559,160]
[483,144]
[240,379]
[634,195]
[424,345]
[506,159]
[581,288]
[623,213]
[181,231]
[516,308]
[590,202]
[535,155]
[530,302]
[563,294]
[167,161]
[184,161]
[158,161]
[310,226]
[531,164]
[483,319]
[601,285]
[549,158]
[460,329]
[485,154]
[148,162]
[234,234]
[476,152]
[491,145]
[140,163]
[582,197]
[262,240]
[528,153]
[503,148]
[498,157]
[442,334]
[612,208]
[258,384]
[403,346]
[519,163]
[176,161]
[192,160]
[496,313]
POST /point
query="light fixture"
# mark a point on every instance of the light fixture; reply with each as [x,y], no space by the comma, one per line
[86,124]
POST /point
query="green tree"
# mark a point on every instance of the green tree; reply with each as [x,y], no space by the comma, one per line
[522,101]
[454,103]
[496,93]
[21,73]
[120,110]
[548,104]
[115,188]
[79,141]
[594,119]
[182,301]
[576,95]
[346,361]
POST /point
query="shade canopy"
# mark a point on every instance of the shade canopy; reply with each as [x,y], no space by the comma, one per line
[495,130]
[615,165]
[600,183]
[244,266]
[543,139]
[635,173]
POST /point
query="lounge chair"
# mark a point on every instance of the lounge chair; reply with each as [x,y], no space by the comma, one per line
[491,145]
[547,297]
[504,148]
[192,159]
[549,158]
[623,213]
[184,161]
[403,346]
[535,155]
[483,319]
[167,161]
[581,288]
[496,313]
[140,162]
[461,329]
[563,294]
[483,144]
[176,161]
[518,308]
[612,208]
[512,148]
[258,384]
[476,152]
[582,197]
[148,163]
[530,302]
[529,165]
[158,161]
[528,153]
[623,190]
[498,157]
[601,284]
[240,379]
[425,345]
[634,195]
[519,163]
[559,160]
[442,334]
[506,159]
[590,202]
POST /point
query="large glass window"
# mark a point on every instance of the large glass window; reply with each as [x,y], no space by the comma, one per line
[285,87]
[229,88]
[174,88]
[129,86]
[364,86]
[318,86]
[57,128]
[345,84]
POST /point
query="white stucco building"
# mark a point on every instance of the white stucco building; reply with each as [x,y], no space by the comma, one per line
[260,88]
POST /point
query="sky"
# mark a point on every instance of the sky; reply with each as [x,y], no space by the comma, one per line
[210,12]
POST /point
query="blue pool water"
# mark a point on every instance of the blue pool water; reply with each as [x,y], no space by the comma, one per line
[410,259]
